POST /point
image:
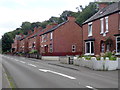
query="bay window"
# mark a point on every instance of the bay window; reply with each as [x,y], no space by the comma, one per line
[118,44]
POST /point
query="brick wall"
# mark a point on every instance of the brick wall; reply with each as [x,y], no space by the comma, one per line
[96,27]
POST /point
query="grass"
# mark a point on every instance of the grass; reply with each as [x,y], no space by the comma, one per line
[10,79]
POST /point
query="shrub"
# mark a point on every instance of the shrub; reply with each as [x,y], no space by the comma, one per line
[33,51]
[87,57]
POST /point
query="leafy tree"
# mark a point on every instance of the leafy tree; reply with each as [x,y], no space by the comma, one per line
[26,26]
[6,42]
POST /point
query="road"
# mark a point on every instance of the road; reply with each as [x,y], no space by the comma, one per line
[28,73]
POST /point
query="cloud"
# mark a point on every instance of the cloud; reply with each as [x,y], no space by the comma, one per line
[14,12]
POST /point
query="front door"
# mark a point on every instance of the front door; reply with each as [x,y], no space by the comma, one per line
[46,49]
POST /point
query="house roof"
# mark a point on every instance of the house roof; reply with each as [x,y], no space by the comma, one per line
[25,36]
[35,34]
[113,8]
[55,27]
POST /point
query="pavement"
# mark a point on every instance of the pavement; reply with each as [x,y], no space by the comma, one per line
[34,73]
[4,82]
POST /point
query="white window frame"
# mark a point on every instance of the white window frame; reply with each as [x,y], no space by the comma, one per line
[51,35]
[90,48]
[102,25]
[89,30]
[116,45]
[73,48]
[106,23]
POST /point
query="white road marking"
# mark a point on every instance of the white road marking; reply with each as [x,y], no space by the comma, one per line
[89,87]
[32,65]
[16,60]
[43,70]
[64,75]
[22,62]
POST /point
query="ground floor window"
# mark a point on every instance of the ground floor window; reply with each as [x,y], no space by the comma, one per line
[118,44]
[73,48]
[89,48]
[51,48]
[102,46]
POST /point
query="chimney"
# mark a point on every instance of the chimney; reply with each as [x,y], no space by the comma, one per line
[102,5]
[50,26]
[40,28]
[29,32]
[71,18]
[21,35]
[35,29]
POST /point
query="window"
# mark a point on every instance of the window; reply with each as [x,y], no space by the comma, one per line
[45,37]
[73,48]
[51,35]
[89,29]
[51,48]
[102,26]
[118,45]
[42,38]
[106,21]
[89,48]
[119,21]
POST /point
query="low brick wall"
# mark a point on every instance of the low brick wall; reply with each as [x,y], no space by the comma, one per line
[98,64]
[50,58]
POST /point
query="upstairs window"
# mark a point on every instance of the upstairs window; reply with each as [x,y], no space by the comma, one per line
[102,25]
[73,48]
[106,21]
[42,38]
[51,35]
[45,37]
[89,29]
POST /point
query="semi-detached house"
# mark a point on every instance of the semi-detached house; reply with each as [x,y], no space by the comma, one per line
[100,30]
[98,34]
[63,39]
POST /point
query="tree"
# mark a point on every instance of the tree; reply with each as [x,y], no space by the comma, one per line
[6,43]
[26,26]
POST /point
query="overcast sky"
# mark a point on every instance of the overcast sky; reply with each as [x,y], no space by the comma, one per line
[14,12]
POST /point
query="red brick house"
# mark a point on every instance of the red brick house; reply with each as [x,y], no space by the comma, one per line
[99,30]
[15,44]
[23,43]
[33,40]
[45,38]
[63,39]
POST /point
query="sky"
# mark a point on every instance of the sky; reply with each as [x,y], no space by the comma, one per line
[14,12]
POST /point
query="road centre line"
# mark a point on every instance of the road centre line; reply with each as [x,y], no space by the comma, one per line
[32,65]
[90,87]
[64,75]
[22,62]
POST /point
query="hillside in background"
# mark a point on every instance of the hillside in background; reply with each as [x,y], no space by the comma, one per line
[82,15]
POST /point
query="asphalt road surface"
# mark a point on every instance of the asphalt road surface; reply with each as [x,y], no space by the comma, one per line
[28,73]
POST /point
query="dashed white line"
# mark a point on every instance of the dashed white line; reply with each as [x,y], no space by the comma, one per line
[22,62]
[16,60]
[89,87]
[32,65]
[64,75]
[43,70]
